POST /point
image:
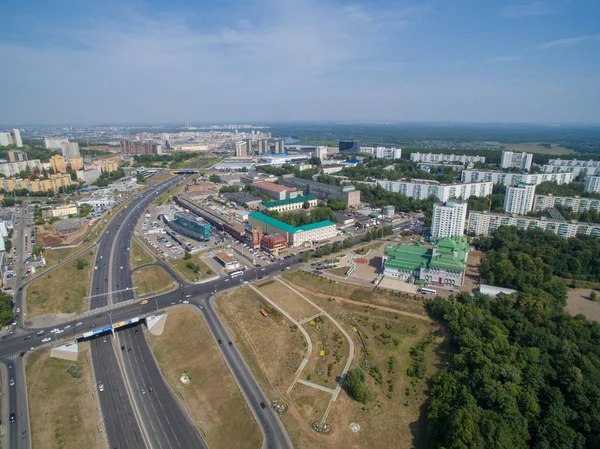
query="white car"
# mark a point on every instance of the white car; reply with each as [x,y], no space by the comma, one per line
[47,339]
[100,387]
[59,331]
[53,331]
[186,302]
[67,326]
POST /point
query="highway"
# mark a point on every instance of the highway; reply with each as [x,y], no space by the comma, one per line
[126,432]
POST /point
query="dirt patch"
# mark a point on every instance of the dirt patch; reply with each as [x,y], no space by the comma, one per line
[212,397]
[62,409]
[288,300]
[270,345]
[63,290]
[579,301]
[152,279]
[139,256]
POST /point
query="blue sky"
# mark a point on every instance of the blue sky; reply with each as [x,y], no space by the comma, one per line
[74,62]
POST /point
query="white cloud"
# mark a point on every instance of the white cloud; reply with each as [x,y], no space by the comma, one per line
[525,10]
[568,42]
[501,59]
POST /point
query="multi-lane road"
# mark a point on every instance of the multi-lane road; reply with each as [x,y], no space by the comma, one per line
[132,418]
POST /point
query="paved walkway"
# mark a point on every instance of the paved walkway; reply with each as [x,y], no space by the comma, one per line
[343,331]
[317,386]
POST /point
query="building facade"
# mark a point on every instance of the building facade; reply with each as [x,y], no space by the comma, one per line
[575,203]
[58,164]
[295,236]
[443,265]
[446,158]
[65,210]
[291,204]
[279,146]
[12,137]
[16,156]
[70,150]
[264,147]
[511,159]
[519,199]
[321,152]
[273,243]
[346,193]
[484,223]
[349,146]
[53,183]
[109,167]
[190,225]
[227,261]
[573,163]
[513,179]
[132,147]
[422,189]
[276,191]
[54,143]
[448,219]
[76,163]
[382,152]
[592,184]
[11,169]
[576,170]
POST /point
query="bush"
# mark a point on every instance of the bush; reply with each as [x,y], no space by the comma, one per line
[74,371]
[81,264]
[354,383]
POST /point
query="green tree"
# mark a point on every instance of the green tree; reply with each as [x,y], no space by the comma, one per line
[214,178]
[187,255]
[354,384]
[306,205]
[593,296]
[81,264]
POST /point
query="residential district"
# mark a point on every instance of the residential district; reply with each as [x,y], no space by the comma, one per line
[282,260]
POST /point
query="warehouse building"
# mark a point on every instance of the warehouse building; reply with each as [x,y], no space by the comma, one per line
[443,265]
[346,193]
[227,261]
[295,236]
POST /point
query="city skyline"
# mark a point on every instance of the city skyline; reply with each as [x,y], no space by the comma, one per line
[267,61]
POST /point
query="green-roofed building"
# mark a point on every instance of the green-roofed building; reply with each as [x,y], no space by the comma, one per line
[443,265]
[295,236]
[290,204]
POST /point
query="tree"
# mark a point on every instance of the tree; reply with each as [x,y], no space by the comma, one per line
[305,256]
[6,312]
[593,296]
[187,255]
[354,384]
[306,205]
[81,264]
[214,178]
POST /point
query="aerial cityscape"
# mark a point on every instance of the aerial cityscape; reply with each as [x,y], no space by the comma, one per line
[300,225]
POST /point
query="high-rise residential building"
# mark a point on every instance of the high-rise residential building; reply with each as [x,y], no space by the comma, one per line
[54,143]
[279,146]
[139,147]
[263,147]
[448,219]
[87,158]
[519,199]
[70,150]
[76,163]
[14,168]
[443,158]
[592,184]
[109,167]
[12,137]
[249,151]
[513,179]
[321,152]
[240,149]
[421,189]
[349,146]
[382,152]
[16,156]
[511,159]
[57,163]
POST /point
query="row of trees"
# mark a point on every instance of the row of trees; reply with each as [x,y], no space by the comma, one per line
[524,374]
[530,259]
[303,218]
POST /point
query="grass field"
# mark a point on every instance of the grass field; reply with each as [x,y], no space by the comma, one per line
[180,266]
[62,410]
[533,147]
[62,290]
[212,397]
[339,271]
[152,279]
[287,300]
[272,348]
[139,255]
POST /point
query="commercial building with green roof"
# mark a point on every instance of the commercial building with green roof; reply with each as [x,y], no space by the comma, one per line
[295,236]
[443,265]
[290,204]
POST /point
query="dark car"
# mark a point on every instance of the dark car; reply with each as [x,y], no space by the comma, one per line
[220,342]
[263,405]
[12,417]
[122,348]
[230,344]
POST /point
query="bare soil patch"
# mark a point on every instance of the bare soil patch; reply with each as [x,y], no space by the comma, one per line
[579,301]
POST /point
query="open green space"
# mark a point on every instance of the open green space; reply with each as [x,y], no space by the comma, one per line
[139,255]
[152,279]
[192,269]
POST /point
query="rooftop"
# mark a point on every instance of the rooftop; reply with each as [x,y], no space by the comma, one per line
[447,253]
[271,186]
[289,228]
[299,199]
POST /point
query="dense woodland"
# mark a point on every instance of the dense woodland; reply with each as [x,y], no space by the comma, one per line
[531,259]
[523,374]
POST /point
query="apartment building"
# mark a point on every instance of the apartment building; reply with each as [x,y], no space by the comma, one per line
[511,159]
[10,169]
[421,189]
[382,152]
[575,203]
[132,147]
[592,184]
[448,219]
[576,170]
[76,163]
[295,236]
[54,143]
[58,164]
[12,137]
[513,179]
[16,156]
[290,205]
[519,199]
[109,167]
[321,152]
[446,158]
[573,163]
[484,223]
[345,193]
[54,183]
[65,210]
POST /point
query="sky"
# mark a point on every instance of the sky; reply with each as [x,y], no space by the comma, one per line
[252,61]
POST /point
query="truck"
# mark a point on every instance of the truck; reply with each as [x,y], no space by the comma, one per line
[263,312]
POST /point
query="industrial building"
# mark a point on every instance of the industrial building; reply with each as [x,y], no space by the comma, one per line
[65,210]
[443,265]
[243,199]
[484,223]
[440,158]
[58,164]
[291,204]
[421,189]
[511,159]
[295,236]
[233,228]
[190,225]
[277,191]
[519,199]
[347,193]
[448,219]
[576,203]
[513,179]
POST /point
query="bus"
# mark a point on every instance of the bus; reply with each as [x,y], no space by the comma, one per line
[236,273]
[428,291]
